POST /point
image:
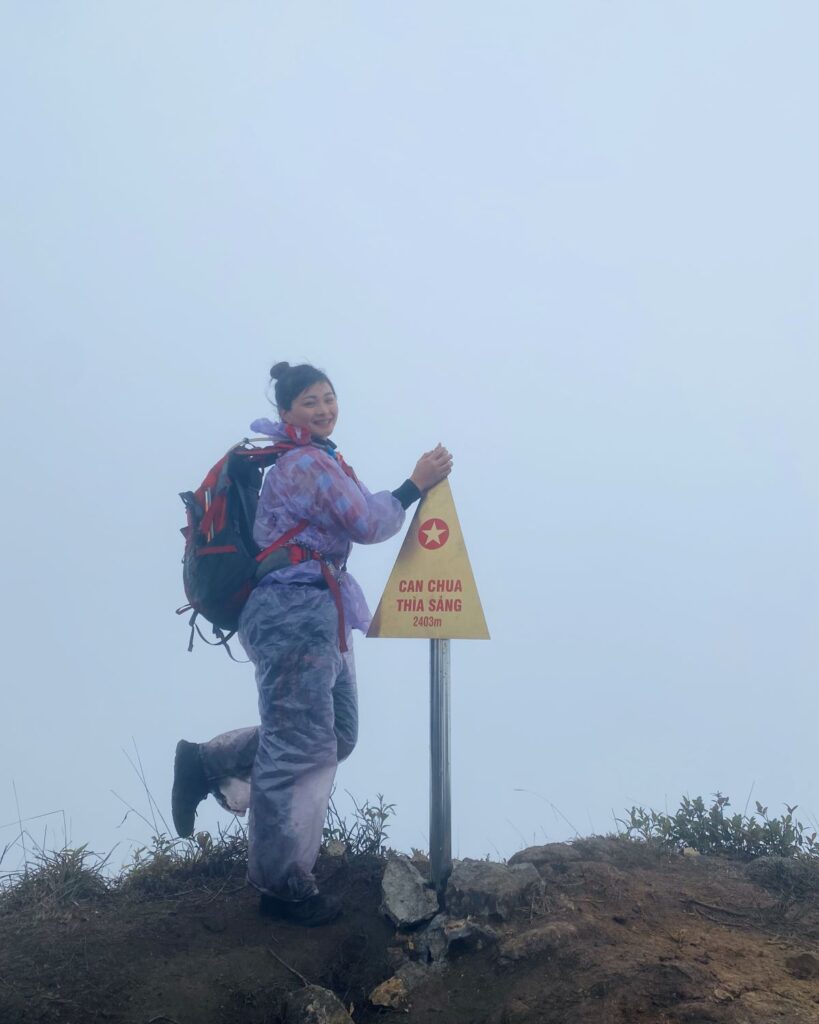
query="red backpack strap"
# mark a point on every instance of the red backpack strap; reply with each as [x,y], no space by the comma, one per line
[303,554]
[280,543]
[265,456]
[335,590]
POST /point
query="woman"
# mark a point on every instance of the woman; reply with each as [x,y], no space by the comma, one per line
[296,630]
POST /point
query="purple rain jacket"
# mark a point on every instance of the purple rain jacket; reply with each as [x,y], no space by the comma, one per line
[309,483]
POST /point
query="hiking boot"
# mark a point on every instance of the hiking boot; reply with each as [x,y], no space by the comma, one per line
[312,912]
[190,787]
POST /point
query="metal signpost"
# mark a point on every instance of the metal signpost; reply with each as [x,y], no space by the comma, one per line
[431,593]
[440,795]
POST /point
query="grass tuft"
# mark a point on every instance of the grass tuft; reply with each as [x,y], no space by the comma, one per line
[168,865]
[56,880]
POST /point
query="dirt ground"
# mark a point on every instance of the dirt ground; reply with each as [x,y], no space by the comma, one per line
[624,934]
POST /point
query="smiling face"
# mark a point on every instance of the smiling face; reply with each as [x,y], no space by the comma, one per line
[315,409]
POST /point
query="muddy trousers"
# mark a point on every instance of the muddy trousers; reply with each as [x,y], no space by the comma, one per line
[309,722]
[228,758]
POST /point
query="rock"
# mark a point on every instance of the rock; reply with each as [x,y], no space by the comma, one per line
[335,848]
[431,943]
[414,974]
[602,847]
[487,889]
[315,1005]
[407,899]
[468,936]
[804,966]
[516,1009]
[445,936]
[552,854]
[395,956]
[392,993]
[544,939]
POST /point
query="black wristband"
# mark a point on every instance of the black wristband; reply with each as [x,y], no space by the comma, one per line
[407,493]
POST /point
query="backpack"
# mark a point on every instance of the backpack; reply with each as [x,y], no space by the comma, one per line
[222,563]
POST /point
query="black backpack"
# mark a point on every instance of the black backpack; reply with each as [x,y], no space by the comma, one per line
[222,563]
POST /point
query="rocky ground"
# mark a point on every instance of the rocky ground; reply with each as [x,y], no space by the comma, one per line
[603,930]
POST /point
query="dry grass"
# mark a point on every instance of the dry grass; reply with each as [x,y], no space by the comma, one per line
[54,880]
[169,866]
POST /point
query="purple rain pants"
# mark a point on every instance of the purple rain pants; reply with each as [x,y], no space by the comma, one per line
[309,722]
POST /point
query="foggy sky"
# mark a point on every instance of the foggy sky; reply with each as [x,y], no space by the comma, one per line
[577,243]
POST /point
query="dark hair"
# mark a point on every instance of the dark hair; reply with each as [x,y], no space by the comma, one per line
[292,380]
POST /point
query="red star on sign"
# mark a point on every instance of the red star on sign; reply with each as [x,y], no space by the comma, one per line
[433,534]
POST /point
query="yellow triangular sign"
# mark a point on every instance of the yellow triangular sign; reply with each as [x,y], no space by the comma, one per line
[431,591]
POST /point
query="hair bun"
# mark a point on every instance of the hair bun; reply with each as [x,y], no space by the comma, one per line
[278,370]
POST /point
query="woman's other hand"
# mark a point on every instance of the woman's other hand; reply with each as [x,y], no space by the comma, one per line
[432,468]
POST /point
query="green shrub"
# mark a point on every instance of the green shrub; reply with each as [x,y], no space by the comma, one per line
[712,830]
[366,833]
